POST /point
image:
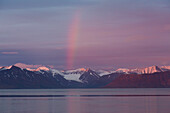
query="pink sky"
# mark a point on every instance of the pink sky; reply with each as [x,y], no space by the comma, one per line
[110,33]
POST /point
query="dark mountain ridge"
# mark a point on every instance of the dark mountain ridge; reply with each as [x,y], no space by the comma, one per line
[155,80]
[16,77]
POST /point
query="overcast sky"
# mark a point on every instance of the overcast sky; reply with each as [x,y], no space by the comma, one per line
[110,34]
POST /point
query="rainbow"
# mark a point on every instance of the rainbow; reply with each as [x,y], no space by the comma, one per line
[72,39]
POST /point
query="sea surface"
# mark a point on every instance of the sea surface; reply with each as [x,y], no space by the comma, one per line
[133,100]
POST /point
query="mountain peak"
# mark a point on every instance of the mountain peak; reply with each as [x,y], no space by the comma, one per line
[147,70]
[88,69]
[153,69]
[42,68]
[154,66]
[13,67]
[82,69]
[89,76]
[5,67]
[122,70]
[91,72]
[24,66]
[165,68]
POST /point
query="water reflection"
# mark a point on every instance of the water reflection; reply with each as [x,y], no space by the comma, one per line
[120,105]
[74,102]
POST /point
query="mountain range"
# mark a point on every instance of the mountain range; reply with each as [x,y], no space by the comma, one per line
[38,76]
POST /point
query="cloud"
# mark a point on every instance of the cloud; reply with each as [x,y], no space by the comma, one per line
[22,65]
[20,4]
[9,53]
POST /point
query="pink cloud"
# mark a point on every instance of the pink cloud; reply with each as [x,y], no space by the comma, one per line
[9,53]
[21,65]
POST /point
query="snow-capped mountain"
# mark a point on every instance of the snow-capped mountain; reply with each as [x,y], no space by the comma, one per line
[76,71]
[147,70]
[45,77]
[42,68]
[123,70]
[165,68]
[16,77]
[89,76]
[24,66]
[73,74]
[33,67]
[5,68]
[103,72]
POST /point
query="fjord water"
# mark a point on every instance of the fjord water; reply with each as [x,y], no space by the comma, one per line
[135,100]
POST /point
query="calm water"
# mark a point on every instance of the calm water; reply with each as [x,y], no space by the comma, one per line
[85,101]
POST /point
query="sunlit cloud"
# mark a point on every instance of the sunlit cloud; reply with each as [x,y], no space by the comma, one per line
[32,66]
[9,53]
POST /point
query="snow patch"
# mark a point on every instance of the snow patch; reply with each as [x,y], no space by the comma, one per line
[74,77]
